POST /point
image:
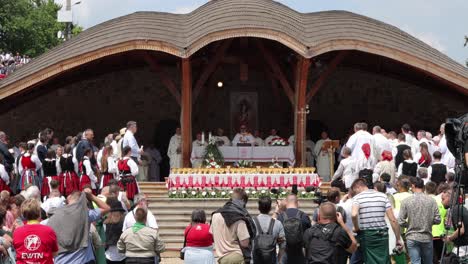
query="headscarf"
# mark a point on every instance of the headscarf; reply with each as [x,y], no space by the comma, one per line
[387,155]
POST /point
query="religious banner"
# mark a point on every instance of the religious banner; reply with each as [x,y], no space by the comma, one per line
[244,110]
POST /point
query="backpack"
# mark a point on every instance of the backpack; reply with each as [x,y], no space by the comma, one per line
[264,249]
[321,247]
[293,230]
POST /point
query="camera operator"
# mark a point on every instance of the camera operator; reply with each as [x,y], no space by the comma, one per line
[459,236]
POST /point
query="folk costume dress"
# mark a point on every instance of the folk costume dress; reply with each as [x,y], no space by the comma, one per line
[110,173]
[28,168]
[51,169]
[128,169]
[87,176]
[4,179]
[69,181]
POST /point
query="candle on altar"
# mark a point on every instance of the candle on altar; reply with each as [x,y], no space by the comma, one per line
[203,138]
[209,137]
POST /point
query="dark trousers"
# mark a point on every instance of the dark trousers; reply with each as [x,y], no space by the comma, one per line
[438,245]
[140,260]
[115,262]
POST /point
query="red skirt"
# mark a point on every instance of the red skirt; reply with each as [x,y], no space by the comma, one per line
[69,182]
[106,178]
[45,190]
[84,180]
[4,186]
[129,184]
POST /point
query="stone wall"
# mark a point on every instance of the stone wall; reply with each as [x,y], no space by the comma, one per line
[106,102]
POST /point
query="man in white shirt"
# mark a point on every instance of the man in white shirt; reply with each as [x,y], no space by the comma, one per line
[129,140]
[410,140]
[381,142]
[141,201]
[221,139]
[174,152]
[243,137]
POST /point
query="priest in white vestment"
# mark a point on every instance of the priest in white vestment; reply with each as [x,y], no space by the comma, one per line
[362,146]
[174,152]
[410,139]
[292,140]
[323,158]
[243,137]
[258,139]
[273,135]
[381,142]
[221,139]
[198,142]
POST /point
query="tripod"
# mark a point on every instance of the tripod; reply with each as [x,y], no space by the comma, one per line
[457,201]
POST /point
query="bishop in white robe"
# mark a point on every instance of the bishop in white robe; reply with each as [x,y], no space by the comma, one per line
[243,137]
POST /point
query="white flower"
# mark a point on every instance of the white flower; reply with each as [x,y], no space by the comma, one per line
[247,192]
[203,193]
[230,192]
[283,193]
[223,193]
[254,192]
[194,192]
[213,193]
[263,191]
[303,193]
[174,192]
[184,192]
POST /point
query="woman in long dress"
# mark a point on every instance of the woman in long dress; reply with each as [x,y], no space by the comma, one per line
[323,158]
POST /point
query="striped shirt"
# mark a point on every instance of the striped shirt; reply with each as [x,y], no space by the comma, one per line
[372,208]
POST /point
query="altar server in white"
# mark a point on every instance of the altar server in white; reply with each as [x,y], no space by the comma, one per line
[174,152]
[381,142]
[258,139]
[323,158]
[221,139]
[273,135]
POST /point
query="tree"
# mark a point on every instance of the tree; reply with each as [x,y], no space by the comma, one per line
[29,26]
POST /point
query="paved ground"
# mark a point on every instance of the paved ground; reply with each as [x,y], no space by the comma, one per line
[172,261]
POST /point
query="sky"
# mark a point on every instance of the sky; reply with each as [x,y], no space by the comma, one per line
[441,24]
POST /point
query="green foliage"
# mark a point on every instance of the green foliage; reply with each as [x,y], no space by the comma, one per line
[212,152]
[76,30]
[29,26]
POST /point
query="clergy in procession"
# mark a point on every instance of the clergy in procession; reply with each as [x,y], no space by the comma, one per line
[243,137]
[362,146]
[273,135]
[258,139]
[221,139]
[381,142]
[174,152]
[323,158]
[130,141]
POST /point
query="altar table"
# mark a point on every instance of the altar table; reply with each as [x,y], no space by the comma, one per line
[253,154]
[242,180]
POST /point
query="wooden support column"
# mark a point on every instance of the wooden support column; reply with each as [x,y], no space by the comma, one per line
[186,112]
[300,109]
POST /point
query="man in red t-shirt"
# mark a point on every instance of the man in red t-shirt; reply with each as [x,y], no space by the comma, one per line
[34,243]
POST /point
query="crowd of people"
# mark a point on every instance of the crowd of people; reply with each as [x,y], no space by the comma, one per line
[9,62]
[81,204]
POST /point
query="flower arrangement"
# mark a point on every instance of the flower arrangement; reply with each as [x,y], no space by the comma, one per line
[226,193]
[211,163]
[243,170]
[278,141]
[243,164]
[213,158]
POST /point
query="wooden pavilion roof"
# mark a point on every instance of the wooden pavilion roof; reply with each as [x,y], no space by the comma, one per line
[308,34]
